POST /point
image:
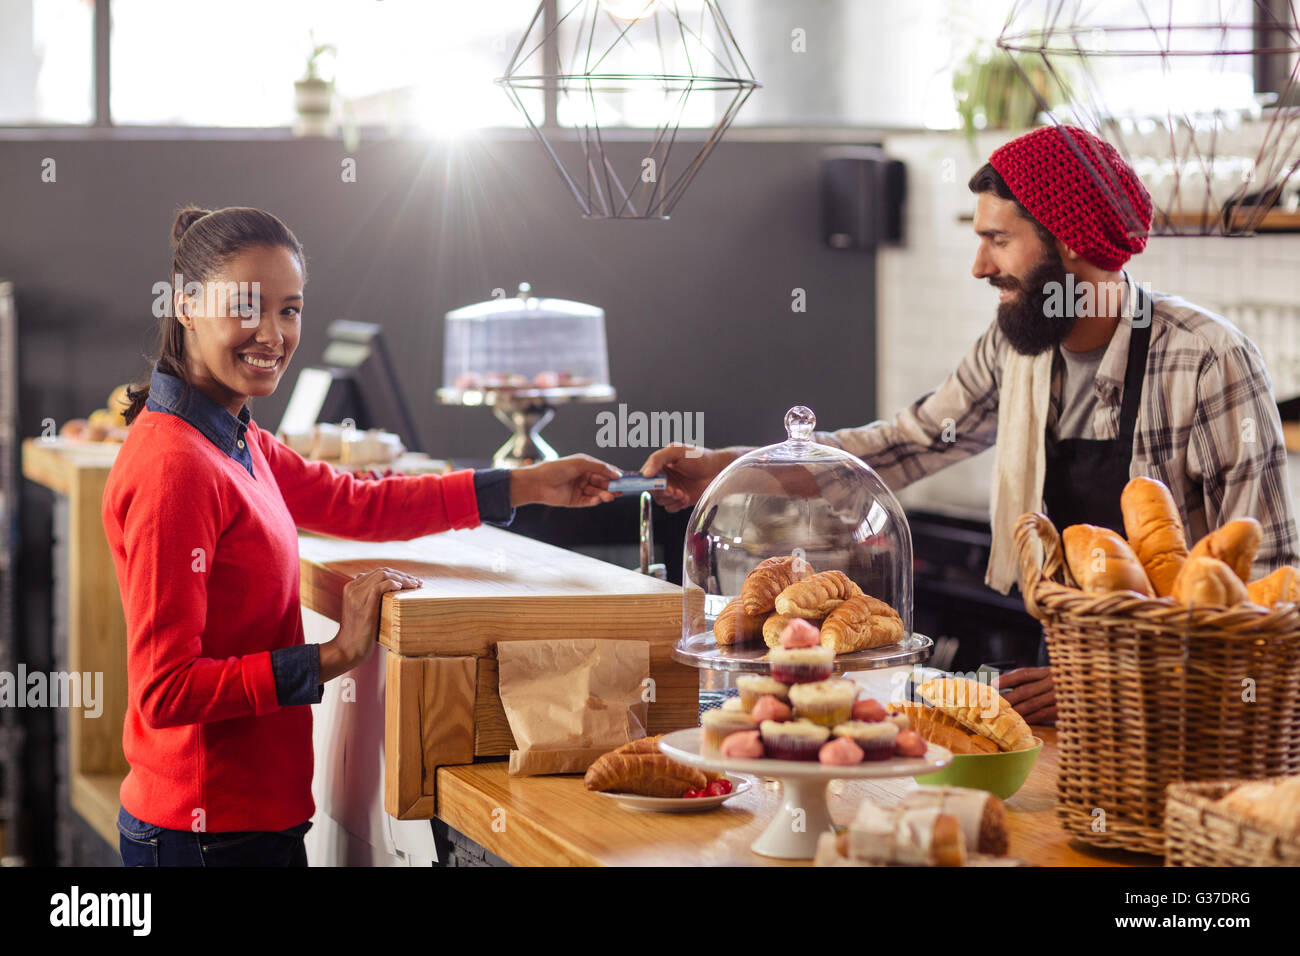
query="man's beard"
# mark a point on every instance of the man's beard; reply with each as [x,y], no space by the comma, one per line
[1025,320]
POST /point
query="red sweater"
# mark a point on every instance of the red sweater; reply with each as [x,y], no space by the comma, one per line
[207,560]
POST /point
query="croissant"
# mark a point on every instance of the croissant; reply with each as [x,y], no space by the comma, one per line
[643,745]
[650,775]
[859,623]
[769,579]
[816,596]
[775,624]
[734,626]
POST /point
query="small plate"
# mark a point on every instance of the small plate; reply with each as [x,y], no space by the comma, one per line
[634,801]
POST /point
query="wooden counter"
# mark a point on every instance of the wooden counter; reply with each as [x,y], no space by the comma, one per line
[96,625]
[555,821]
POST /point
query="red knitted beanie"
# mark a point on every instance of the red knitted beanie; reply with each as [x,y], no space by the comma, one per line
[1081,190]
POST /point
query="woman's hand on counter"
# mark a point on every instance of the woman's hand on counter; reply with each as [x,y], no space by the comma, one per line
[359,628]
[577,481]
[689,469]
[1031,692]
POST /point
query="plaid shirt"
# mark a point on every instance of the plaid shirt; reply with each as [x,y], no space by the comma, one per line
[1207,425]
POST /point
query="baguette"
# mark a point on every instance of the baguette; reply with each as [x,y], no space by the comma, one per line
[1208,581]
[1280,587]
[1235,544]
[1155,531]
[1101,560]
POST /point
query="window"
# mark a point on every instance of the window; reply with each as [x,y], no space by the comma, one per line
[46,68]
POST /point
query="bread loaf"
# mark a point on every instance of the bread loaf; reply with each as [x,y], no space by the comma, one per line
[1101,560]
[1280,587]
[1155,531]
[942,729]
[1274,804]
[1235,544]
[979,708]
[1208,581]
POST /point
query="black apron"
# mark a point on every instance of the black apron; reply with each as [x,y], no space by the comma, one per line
[1085,477]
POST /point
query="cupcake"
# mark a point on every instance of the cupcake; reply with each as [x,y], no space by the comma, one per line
[753,687]
[875,739]
[734,705]
[800,633]
[827,702]
[719,723]
[769,708]
[801,665]
[899,720]
[793,740]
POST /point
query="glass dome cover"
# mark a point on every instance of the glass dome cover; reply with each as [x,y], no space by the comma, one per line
[800,498]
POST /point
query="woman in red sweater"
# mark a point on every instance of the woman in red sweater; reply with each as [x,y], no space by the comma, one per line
[201,511]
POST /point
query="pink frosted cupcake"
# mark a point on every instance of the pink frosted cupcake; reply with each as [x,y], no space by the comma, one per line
[875,739]
[801,665]
[792,740]
[744,745]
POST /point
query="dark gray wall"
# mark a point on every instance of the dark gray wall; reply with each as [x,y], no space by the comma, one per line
[698,308]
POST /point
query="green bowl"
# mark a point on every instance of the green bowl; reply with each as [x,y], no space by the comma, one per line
[1001,774]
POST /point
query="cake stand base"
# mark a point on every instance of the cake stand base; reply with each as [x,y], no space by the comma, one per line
[804,816]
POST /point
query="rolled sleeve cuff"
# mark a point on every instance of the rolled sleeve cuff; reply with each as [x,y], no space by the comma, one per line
[297,674]
[492,489]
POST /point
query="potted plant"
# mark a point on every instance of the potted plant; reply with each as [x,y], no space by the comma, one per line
[992,94]
[314,95]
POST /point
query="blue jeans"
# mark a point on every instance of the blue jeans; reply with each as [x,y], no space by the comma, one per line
[143,844]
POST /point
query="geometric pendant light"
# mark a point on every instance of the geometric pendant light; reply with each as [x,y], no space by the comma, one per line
[1205,108]
[617,63]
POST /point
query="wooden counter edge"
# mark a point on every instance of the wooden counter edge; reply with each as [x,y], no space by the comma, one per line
[515,838]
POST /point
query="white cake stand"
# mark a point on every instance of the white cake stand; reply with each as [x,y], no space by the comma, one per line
[804,815]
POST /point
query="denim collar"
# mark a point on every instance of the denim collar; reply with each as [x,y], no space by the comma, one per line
[170,395]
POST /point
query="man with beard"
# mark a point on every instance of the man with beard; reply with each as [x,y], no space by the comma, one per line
[1083,381]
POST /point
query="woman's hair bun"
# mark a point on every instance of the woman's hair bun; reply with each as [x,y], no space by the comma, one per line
[184,219]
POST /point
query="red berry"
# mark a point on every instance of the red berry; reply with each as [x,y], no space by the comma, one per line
[719,788]
[692,794]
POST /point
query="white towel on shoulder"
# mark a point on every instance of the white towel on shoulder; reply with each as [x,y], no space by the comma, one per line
[1019,457]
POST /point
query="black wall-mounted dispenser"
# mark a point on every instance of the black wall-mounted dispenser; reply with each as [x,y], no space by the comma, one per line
[862,193]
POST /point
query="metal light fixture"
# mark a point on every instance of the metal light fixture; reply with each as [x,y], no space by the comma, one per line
[1179,101]
[607,63]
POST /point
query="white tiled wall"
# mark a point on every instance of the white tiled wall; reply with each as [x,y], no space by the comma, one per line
[931,310]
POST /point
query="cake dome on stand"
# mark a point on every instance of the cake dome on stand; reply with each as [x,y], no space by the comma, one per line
[819,505]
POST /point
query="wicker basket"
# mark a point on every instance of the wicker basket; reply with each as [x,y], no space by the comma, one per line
[1200,834]
[1149,693]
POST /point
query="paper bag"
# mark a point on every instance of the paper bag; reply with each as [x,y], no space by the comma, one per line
[569,701]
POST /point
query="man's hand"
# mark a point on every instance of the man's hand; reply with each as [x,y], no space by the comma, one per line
[689,469]
[577,481]
[1030,691]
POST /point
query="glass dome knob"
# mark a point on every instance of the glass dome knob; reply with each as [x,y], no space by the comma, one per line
[800,423]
